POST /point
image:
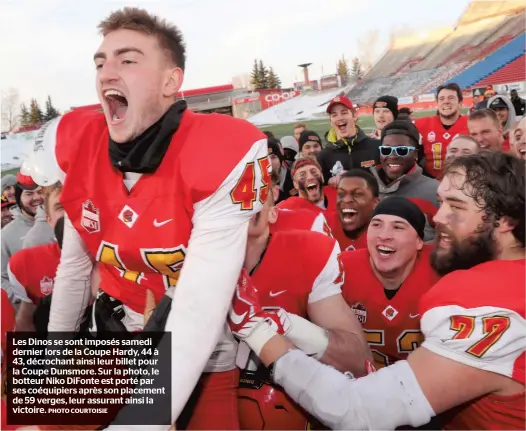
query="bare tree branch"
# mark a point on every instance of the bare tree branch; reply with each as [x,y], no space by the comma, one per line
[10,105]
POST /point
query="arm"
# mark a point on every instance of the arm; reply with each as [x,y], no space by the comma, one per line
[347,349]
[71,291]
[24,316]
[408,393]
[205,288]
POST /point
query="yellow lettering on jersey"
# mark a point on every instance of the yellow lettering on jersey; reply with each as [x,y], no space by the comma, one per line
[109,254]
[437,155]
[376,338]
[167,261]
[409,340]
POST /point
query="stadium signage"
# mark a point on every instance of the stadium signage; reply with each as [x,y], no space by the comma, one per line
[426,97]
[280,97]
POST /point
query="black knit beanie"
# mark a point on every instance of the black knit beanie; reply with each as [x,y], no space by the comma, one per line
[404,208]
[389,102]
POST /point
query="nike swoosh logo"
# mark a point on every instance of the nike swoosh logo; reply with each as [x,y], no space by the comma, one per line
[411,316]
[236,318]
[277,293]
[162,223]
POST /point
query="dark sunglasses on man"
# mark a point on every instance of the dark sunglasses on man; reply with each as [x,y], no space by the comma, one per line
[401,151]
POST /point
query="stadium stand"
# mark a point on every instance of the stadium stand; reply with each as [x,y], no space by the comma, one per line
[512,72]
[406,51]
[488,36]
[508,53]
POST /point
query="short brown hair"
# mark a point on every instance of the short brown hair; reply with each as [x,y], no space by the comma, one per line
[132,18]
[485,113]
[297,126]
[48,191]
[467,138]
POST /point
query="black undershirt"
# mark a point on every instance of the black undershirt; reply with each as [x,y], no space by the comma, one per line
[390,293]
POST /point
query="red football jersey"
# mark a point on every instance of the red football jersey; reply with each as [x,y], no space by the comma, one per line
[141,236]
[477,317]
[435,139]
[301,219]
[297,268]
[32,270]
[346,243]
[391,326]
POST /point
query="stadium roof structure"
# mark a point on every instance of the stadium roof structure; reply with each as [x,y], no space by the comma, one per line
[478,10]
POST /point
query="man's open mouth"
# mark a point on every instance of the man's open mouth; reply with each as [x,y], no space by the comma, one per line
[385,251]
[117,103]
[348,214]
[342,127]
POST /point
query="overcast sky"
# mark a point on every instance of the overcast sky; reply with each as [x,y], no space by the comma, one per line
[47,46]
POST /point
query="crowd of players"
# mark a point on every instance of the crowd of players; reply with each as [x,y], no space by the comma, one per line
[352,281]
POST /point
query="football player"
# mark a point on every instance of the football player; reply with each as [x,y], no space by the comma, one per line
[394,274]
[518,139]
[32,270]
[471,364]
[308,289]
[437,132]
[485,128]
[308,180]
[357,196]
[300,219]
[138,201]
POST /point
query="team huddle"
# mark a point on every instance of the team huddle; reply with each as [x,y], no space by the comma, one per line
[374,283]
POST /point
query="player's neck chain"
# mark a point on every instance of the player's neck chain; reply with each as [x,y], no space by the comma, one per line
[145,153]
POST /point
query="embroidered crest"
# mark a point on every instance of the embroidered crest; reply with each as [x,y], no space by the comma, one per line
[128,216]
[431,136]
[390,312]
[367,164]
[46,285]
[360,311]
[90,219]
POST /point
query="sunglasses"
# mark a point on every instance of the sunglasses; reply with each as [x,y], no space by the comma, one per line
[401,151]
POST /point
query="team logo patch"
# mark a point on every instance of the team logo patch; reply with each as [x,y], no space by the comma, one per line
[360,312]
[367,164]
[293,191]
[389,312]
[46,285]
[128,216]
[380,105]
[90,217]
[431,136]
[446,135]
[336,99]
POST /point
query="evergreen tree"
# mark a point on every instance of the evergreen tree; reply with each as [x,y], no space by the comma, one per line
[254,76]
[51,112]
[262,75]
[356,69]
[273,79]
[35,113]
[342,69]
[24,115]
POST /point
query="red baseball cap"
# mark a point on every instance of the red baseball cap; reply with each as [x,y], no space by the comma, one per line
[5,202]
[340,100]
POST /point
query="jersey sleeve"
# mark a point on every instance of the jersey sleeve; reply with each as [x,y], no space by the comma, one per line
[486,337]
[72,288]
[330,279]
[18,290]
[320,225]
[215,255]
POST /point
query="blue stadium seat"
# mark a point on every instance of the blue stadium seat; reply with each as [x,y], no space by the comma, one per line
[506,54]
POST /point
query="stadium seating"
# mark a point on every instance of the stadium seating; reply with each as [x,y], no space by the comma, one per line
[398,85]
[506,54]
[512,72]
